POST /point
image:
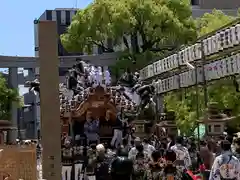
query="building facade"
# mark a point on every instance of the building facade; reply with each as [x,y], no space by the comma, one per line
[229,7]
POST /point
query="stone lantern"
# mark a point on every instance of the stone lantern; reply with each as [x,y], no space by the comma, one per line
[168,122]
[214,120]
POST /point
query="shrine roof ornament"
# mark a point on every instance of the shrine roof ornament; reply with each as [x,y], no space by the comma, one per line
[110,99]
[89,88]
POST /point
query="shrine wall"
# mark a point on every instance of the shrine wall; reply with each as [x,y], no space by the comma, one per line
[18,162]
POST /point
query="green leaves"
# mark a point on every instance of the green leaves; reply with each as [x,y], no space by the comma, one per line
[212,21]
[7,96]
[156,22]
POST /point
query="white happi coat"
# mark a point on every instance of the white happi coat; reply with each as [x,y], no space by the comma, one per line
[182,154]
[225,166]
[148,149]
[132,153]
[107,77]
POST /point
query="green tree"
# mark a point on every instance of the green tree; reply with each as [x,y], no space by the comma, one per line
[212,21]
[7,96]
[160,24]
[222,91]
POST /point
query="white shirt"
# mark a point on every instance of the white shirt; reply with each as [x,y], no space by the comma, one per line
[148,148]
[182,154]
[226,166]
[132,153]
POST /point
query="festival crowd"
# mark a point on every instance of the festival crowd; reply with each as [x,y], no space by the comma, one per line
[176,158]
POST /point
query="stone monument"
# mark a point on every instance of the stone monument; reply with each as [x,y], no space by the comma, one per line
[49,99]
[214,120]
[168,122]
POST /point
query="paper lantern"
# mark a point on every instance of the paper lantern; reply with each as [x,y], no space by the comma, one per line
[160,86]
[164,65]
[198,51]
[224,67]
[167,61]
[181,57]
[191,54]
[187,54]
[205,50]
[214,44]
[209,46]
[226,38]
[171,83]
[186,79]
[234,64]
[222,40]
[159,66]
[237,34]
[181,80]
[175,60]
[232,36]
[170,62]
[150,70]
[176,82]
[163,85]
[215,70]
[218,42]
[155,68]
[238,62]
[229,67]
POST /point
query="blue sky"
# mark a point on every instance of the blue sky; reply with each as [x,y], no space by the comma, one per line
[16,19]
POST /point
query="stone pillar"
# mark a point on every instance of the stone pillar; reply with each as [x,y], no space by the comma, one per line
[35,106]
[33,102]
[49,99]
[13,83]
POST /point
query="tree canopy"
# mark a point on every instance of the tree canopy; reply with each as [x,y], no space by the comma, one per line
[154,25]
[212,21]
[7,96]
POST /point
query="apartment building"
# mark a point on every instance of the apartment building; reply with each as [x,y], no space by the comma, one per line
[199,7]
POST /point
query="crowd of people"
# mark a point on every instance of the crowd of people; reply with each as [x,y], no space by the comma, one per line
[176,158]
[162,158]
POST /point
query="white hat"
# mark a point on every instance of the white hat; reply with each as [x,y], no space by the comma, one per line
[100,148]
[137,139]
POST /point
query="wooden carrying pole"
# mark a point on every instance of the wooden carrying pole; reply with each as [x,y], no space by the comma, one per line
[49,99]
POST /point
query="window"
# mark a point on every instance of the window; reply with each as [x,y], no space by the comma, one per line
[139,128]
[217,128]
[209,128]
[172,130]
[195,2]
